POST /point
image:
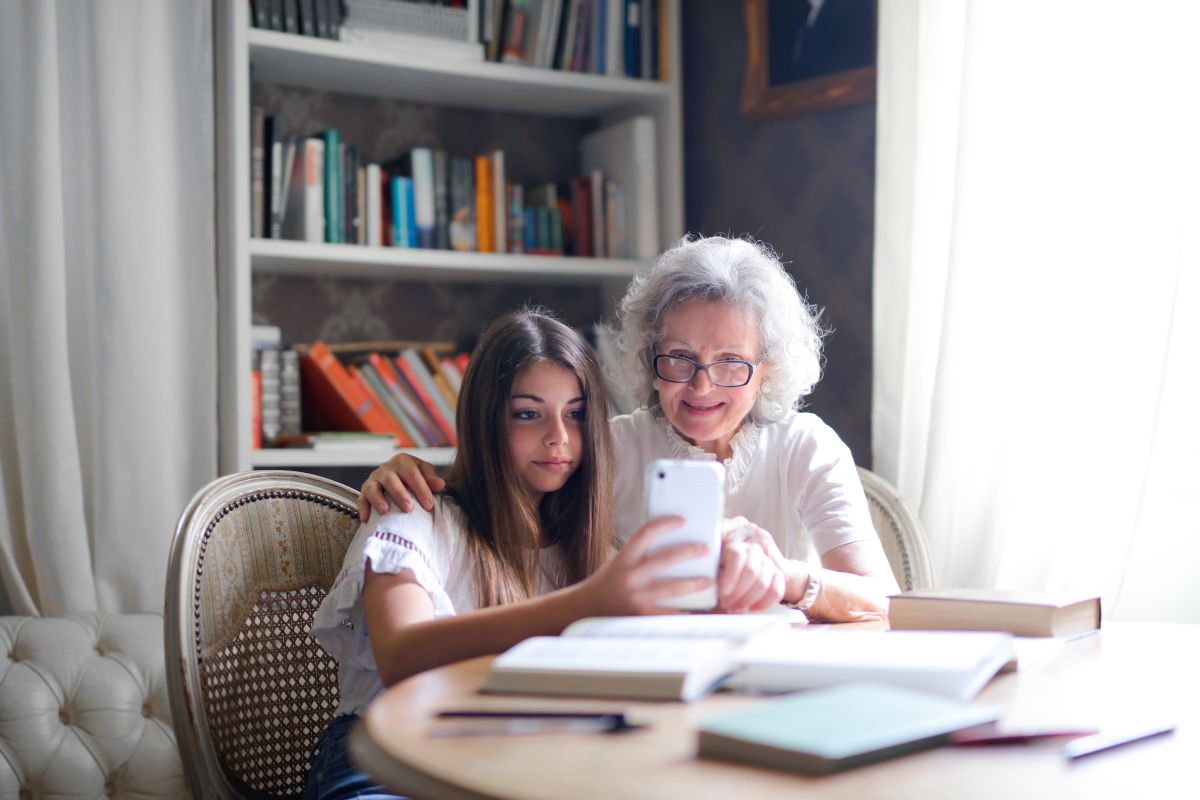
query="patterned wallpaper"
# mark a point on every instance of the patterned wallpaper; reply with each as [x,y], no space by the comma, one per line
[805,185]
[338,310]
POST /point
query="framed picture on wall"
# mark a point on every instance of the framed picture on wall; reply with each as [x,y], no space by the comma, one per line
[807,55]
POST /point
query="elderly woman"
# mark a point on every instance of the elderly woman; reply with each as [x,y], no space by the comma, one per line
[721,350]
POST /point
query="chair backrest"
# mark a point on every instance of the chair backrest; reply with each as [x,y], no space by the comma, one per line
[253,556]
[899,531]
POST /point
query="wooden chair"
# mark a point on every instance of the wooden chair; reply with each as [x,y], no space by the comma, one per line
[900,532]
[254,554]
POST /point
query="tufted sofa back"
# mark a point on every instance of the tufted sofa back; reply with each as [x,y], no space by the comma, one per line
[84,710]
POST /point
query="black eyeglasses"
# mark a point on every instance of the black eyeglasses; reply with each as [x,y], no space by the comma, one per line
[730,373]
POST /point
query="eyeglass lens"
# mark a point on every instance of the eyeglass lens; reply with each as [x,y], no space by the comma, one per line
[722,373]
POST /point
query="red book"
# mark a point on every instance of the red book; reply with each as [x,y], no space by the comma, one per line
[581,222]
[334,399]
[460,361]
[408,403]
[426,401]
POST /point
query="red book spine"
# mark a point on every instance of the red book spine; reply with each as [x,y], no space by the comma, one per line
[407,371]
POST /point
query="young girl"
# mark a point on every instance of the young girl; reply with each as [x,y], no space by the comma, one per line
[518,546]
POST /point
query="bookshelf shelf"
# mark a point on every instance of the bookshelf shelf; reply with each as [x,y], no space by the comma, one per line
[291,457]
[648,156]
[355,69]
[282,257]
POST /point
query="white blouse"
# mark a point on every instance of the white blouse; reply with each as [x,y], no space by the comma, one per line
[431,548]
[794,478]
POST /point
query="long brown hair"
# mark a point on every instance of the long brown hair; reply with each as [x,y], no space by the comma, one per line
[505,528]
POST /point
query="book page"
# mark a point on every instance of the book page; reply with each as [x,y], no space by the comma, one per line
[552,653]
[732,627]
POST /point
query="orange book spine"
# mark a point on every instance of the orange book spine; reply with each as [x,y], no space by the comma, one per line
[256,409]
[485,221]
[393,424]
[426,400]
[339,401]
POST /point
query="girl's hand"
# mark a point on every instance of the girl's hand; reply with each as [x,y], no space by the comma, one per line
[630,585]
[401,478]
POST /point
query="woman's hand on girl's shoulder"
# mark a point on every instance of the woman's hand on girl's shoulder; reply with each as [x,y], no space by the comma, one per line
[630,583]
[401,478]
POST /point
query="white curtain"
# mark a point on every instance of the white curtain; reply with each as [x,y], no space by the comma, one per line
[1037,293]
[107,295]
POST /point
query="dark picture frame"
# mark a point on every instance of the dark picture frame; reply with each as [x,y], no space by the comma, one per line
[798,61]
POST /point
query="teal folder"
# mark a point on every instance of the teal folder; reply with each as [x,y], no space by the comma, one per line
[825,730]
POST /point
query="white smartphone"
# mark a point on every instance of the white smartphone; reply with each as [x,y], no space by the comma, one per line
[694,490]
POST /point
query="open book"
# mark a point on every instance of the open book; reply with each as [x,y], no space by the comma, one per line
[951,664]
[669,657]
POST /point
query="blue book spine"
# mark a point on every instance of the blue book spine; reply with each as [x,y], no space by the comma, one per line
[633,38]
[398,212]
[410,207]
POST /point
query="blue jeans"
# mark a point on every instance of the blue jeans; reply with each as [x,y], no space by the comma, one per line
[332,776]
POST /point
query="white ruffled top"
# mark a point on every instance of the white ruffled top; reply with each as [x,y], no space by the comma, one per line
[431,548]
[795,478]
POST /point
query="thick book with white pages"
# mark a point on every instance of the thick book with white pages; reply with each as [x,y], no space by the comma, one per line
[951,664]
[669,657]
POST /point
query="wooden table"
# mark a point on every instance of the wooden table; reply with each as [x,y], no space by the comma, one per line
[1126,673]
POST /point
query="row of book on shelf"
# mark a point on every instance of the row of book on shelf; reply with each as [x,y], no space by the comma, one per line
[399,394]
[317,188]
[621,38]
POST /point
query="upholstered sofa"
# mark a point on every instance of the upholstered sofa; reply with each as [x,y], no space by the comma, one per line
[84,709]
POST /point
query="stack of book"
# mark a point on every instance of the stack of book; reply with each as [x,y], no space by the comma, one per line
[408,391]
[275,381]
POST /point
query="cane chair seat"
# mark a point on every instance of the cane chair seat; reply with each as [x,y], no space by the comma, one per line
[253,556]
[900,532]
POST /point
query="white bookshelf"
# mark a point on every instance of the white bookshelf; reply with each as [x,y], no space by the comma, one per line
[283,257]
[307,62]
[293,457]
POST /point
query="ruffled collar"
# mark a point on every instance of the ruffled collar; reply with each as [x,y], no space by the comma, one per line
[744,445]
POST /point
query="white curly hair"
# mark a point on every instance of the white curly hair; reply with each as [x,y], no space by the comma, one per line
[746,274]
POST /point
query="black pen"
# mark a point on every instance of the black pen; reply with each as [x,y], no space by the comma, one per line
[488,723]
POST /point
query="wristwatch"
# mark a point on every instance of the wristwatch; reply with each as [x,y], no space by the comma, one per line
[810,592]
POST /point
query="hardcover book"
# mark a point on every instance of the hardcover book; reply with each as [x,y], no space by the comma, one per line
[833,729]
[334,400]
[1020,613]
[665,657]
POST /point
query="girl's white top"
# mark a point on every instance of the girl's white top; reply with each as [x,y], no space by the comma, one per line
[431,548]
